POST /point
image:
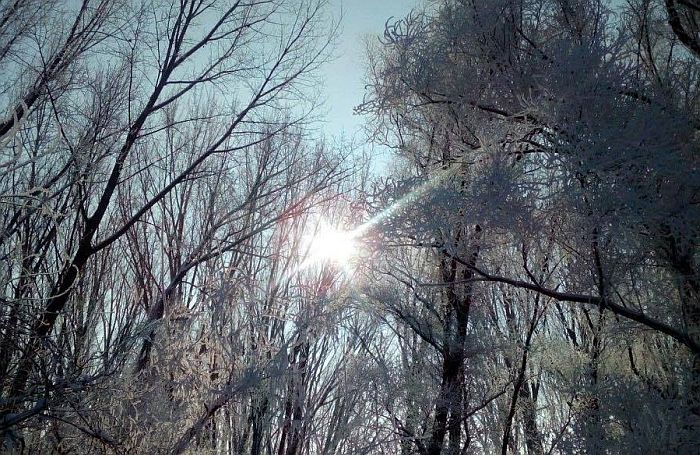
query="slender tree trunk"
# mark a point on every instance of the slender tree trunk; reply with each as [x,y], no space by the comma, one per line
[533,437]
[449,407]
[686,270]
[450,369]
[521,389]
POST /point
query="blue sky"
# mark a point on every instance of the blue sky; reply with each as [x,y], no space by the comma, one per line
[344,75]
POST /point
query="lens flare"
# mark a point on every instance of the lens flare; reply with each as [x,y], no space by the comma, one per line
[333,245]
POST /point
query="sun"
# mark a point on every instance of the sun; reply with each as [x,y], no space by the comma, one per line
[333,245]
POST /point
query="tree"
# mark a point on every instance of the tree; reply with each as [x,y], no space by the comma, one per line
[510,114]
[132,117]
[187,268]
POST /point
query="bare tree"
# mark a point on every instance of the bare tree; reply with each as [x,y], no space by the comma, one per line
[115,137]
[506,116]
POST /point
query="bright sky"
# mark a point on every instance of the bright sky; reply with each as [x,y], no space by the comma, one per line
[345,75]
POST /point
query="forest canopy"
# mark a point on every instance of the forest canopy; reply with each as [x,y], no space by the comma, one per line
[189,266]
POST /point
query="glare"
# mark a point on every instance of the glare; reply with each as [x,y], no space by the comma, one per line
[342,247]
[333,245]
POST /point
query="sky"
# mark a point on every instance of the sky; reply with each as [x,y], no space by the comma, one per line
[344,76]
